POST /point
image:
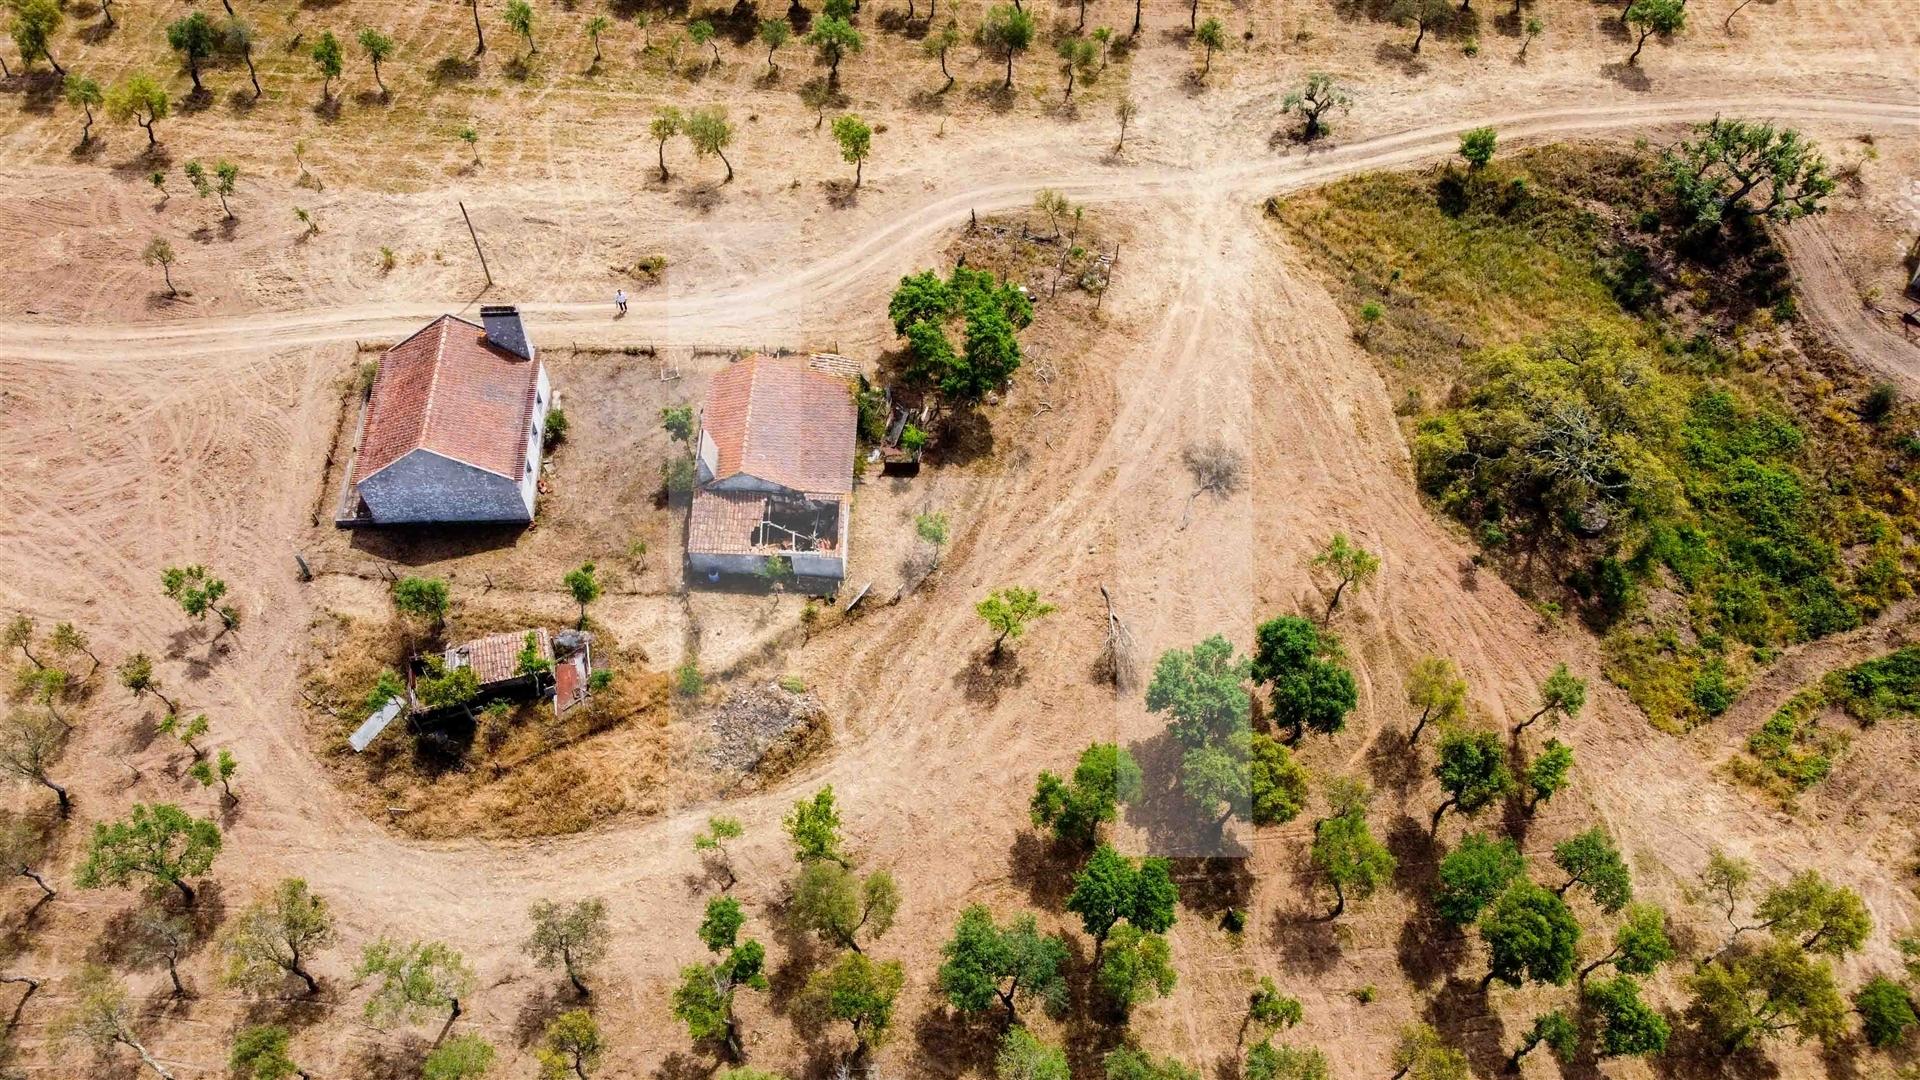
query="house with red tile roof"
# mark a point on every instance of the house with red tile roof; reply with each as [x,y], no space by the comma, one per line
[452,428]
[773,469]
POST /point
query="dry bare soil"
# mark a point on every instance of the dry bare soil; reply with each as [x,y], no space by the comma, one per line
[143,430]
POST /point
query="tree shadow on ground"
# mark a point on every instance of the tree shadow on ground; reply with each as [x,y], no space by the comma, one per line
[1043,867]
[1460,1012]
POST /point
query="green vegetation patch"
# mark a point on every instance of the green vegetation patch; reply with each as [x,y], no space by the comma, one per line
[1880,688]
[1610,402]
[1791,752]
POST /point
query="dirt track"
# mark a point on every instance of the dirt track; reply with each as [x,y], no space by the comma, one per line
[147,442]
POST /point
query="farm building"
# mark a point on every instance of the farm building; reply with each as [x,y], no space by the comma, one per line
[495,661]
[452,428]
[773,469]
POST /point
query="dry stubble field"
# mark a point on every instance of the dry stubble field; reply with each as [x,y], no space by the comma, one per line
[145,430]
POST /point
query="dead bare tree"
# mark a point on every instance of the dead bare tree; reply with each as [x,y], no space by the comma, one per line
[1218,468]
[1119,659]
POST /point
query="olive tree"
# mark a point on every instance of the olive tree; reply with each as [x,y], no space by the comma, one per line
[1772,991]
[1008,30]
[1302,664]
[145,102]
[1640,943]
[1435,687]
[163,843]
[1009,611]
[860,992]
[1477,870]
[987,964]
[1562,696]
[1345,851]
[1105,776]
[1113,888]
[1530,934]
[29,745]
[274,936]
[572,938]
[1351,565]
[103,1017]
[832,40]
[416,980]
[1593,860]
[711,132]
[1728,165]
[1314,100]
[856,142]
[842,907]
[573,1044]
[1472,769]
[1650,17]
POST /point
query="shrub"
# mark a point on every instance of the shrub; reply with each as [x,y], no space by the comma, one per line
[687,680]
[556,432]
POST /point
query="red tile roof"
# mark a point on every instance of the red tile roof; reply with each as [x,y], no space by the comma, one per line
[777,419]
[496,657]
[447,390]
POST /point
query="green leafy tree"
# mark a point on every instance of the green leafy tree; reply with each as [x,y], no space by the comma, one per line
[1113,887]
[1277,782]
[1077,56]
[1886,1011]
[1816,914]
[1650,17]
[1592,859]
[1272,1010]
[986,963]
[33,26]
[1477,147]
[162,842]
[1562,696]
[1628,1027]
[416,981]
[700,32]
[667,123]
[145,102]
[1022,1056]
[422,598]
[1127,1063]
[194,588]
[704,1001]
[1727,165]
[857,991]
[1640,945]
[1346,853]
[1009,611]
[711,132]
[1124,111]
[842,907]
[720,830]
[1475,872]
[1269,1062]
[937,45]
[814,827]
[194,38]
[1202,691]
[1435,687]
[378,46]
[833,39]
[1351,565]
[1547,772]
[275,936]
[463,1057]
[1472,769]
[263,1053]
[572,938]
[1419,1053]
[584,586]
[572,1044]
[1105,776]
[441,687]
[1134,968]
[1556,1030]
[596,26]
[1218,777]
[677,419]
[1313,101]
[856,142]
[1211,36]
[329,58]
[236,39]
[1008,30]
[218,769]
[1770,992]
[1311,688]
[1426,15]
[774,33]
[520,21]
[1530,934]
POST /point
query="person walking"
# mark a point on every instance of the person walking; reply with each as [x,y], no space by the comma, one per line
[620,301]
